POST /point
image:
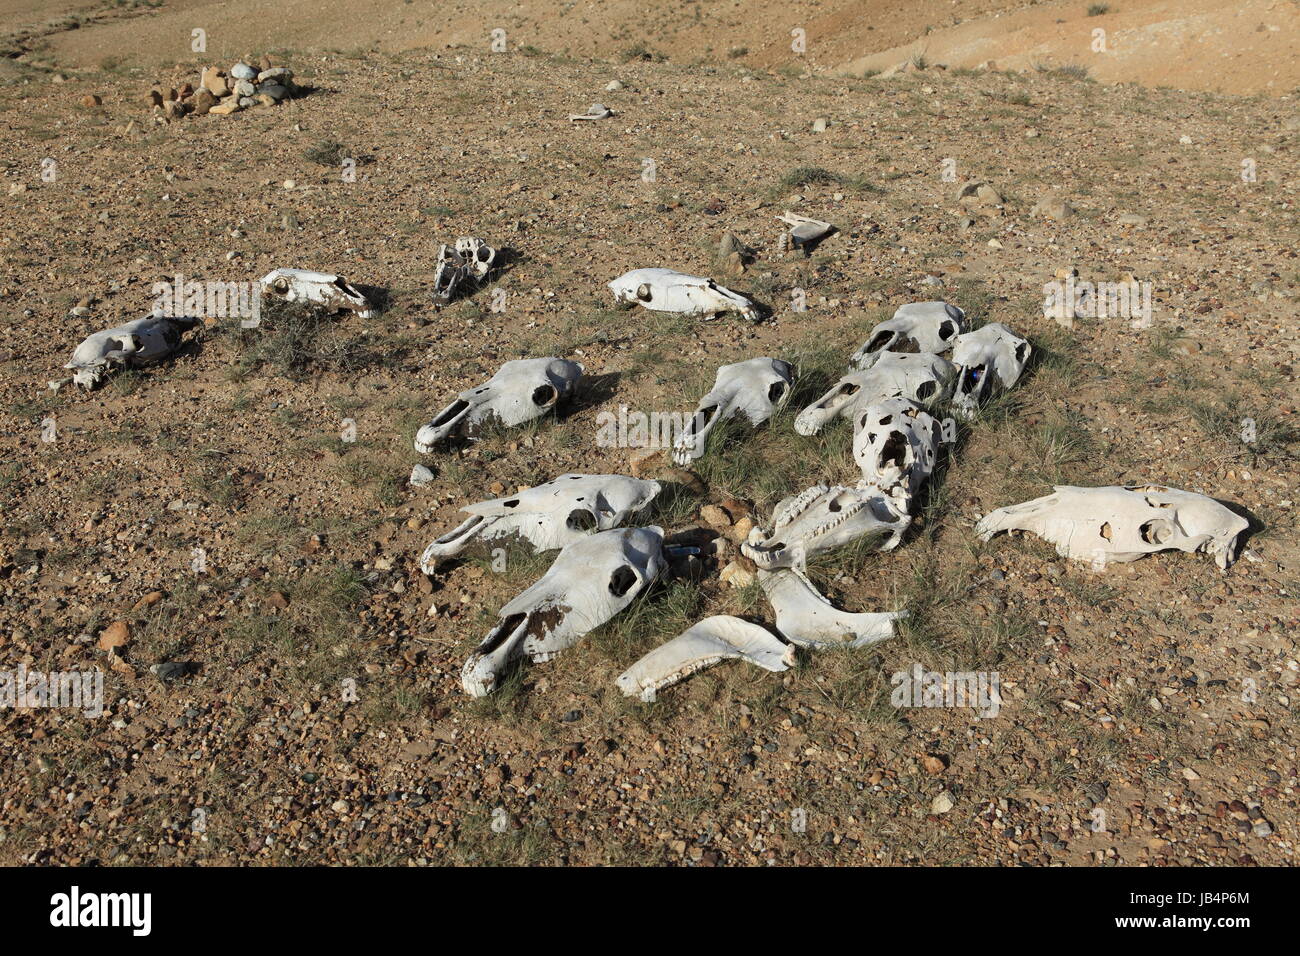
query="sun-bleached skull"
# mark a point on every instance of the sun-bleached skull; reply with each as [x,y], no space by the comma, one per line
[915,327]
[702,645]
[806,618]
[923,378]
[548,516]
[897,444]
[323,289]
[452,270]
[823,518]
[591,580]
[663,290]
[988,360]
[139,342]
[1101,525]
[755,388]
[520,391]
[477,255]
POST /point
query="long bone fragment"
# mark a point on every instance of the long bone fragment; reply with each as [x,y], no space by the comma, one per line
[702,645]
[805,617]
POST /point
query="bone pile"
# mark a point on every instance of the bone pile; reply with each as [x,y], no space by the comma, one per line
[222,92]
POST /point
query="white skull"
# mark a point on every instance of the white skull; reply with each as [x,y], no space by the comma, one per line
[136,343]
[988,360]
[702,645]
[755,388]
[591,580]
[477,255]
[805,232]
[915,327]
[922,377]
[322,289]
[519,392]
[823,518]
[806,618]
[663,290]
[897,446]
[548,516]
[1101,525]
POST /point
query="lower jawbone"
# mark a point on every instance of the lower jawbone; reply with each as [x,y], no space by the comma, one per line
[822,519]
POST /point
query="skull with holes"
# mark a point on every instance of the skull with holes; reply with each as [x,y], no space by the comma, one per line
[923,378]
[592,580]
[988,360]
[663,290]
[821,519]
[897,445]
[321,289]
[915,327]
[755,389]
[519,392]
[140,342]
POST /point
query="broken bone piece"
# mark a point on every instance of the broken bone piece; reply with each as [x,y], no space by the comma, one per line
[702,645]
[663,290]
[519,392]
[755,388]
[923,378]
[595,111]
[323,289]
[470,259]
[821,519]
[591,580]
[896,443]
[916,327]
[139,342]
[806,618]
[1114,524]
[806,232]
[989,360]
[477,256]
[548,516]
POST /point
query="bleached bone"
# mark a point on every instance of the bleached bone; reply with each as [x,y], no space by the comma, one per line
[755,388]
[1101,525]
[923,378]
[896,444]
[591,580]
[451,272]
[595,111]
[988,360]
[322,289]
[806,232]
[663,290]
[823,518]
[477,256]
[806,618]
[139,342]
[519,392]
[702,645]
[915,327]
[548,516]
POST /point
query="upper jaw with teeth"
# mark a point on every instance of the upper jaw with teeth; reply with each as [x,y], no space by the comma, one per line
[821,519]
[520,391]
[924,378]
[548,516]
[324,289]
[755,389]
[663,290]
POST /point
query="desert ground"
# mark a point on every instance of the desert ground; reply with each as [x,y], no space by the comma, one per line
[230,536]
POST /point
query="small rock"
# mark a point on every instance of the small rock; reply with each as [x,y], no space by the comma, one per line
[231,105]
[1052,208]
[820,124]
[613,86]
[421,475]
[942,803]
[90,99]
[737,575]
[242,71]
[114,636]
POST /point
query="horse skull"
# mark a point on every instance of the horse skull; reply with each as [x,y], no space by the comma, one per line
[755,388]
[988,360]
[923,378]
[915,327]
[139,342]
[663,290]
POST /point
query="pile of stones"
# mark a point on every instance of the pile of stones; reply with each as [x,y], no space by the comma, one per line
[224,92]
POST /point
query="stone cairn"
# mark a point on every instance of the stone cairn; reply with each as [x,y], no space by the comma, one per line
[224,92]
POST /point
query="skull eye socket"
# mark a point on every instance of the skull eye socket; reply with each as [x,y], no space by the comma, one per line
[580,519]
[621,581]
[545,395]
[1020,352]
[894,451]
[281,285]
[878,342]
[971,380]
[775,391]
[1156,532]
[643,292]
[925,390]
[946,330]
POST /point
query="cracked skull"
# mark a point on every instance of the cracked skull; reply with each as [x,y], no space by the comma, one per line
[897,446]
[988,360]
[755,389]
[591,580]
[923,378]
[323,289]
[823,518]
[663,290]
[469,259]
[916,327]
[548,516]
[806,618]
[1101,525]
[702,645]
[140,342]
[519,392]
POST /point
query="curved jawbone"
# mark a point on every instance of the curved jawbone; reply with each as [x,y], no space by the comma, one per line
[702,645]
[806,618]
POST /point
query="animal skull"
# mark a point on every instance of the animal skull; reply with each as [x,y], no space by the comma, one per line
[823,518]
[703,645]
[477,255]
[139,342]
[989,359]
[806,618]
[548,516]
[755,388]
[1101,525]
[520,391]
[663,290]
[915,327]
[897,446]
[923,378]
[591,580]
[323,289]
